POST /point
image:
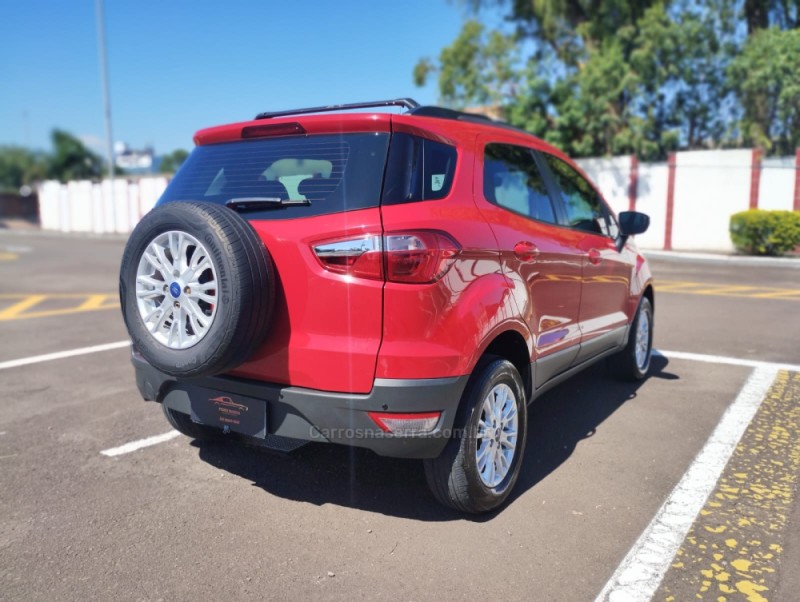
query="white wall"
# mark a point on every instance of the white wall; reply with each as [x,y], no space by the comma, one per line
[710,186]
[85,206]
[776,190]
[612,176]
[652,200]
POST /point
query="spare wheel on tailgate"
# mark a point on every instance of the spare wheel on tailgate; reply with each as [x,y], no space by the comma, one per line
[196,288]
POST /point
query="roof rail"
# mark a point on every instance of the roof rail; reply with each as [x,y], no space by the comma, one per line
[408,103]
[443,113]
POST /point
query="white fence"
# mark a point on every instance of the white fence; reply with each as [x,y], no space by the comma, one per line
[85,206]
[709,186]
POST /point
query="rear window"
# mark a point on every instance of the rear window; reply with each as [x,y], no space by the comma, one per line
[419,170]
[335,173]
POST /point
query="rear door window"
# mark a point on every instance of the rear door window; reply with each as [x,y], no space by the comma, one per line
[334,173]
[512,180]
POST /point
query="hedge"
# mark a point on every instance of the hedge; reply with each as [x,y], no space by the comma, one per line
[762,232]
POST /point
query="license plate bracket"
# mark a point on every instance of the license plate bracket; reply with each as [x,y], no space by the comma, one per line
[230,412]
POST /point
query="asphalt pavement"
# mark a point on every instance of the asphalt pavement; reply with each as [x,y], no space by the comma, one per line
[182,519]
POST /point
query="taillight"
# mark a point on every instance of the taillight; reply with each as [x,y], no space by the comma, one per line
[354,256]
[419,257]
[416,257]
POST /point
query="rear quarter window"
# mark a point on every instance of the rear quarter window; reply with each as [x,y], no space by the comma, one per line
[418,170]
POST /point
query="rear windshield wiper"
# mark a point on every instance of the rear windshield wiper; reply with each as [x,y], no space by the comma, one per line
[260,203]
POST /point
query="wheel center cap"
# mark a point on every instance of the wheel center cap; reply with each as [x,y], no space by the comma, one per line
[175,290]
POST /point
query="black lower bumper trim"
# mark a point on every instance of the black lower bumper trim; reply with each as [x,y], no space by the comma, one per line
[311,415]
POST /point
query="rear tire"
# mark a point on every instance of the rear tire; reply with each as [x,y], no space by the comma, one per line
[480,464]
[633,362]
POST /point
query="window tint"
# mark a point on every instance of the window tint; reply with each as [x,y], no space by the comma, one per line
[583,207]
[334,172]
[512,180]
[419,170]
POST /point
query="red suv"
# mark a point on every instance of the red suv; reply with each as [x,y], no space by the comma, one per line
[407,283]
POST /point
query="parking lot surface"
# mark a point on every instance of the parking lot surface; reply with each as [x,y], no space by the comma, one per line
[180,519]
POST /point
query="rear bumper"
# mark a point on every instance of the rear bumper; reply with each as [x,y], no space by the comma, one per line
[311,415]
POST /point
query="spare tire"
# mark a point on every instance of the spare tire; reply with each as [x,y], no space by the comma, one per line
[196,287]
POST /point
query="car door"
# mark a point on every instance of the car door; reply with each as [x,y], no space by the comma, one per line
[606,272]
[546,271]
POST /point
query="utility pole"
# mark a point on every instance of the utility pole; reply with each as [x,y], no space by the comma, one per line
[101,42]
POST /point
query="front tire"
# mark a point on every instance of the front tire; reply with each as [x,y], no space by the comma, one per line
[633,362]
[480,464]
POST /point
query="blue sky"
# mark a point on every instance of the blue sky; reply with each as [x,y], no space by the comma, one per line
[178,66]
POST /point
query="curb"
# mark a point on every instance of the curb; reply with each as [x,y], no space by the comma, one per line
[38,233]
[679,256]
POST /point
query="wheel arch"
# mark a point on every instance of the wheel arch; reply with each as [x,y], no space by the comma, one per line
[512,344]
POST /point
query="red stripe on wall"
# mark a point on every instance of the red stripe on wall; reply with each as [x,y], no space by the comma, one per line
[755,178]
[670,201]
[797,180]
[633,183]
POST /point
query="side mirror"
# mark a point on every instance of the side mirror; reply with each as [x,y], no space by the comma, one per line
[630,223]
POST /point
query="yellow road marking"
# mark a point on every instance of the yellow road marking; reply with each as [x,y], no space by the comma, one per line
[726,290]
[56,304]
[10,313]
[8,256]
[733,549]
[93,302]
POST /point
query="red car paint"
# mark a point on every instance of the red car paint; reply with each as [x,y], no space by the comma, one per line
[550,285]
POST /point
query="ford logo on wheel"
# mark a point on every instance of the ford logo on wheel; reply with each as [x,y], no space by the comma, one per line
[175,290]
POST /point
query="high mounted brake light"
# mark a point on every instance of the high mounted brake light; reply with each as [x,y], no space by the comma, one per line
[414,257]
[273,129]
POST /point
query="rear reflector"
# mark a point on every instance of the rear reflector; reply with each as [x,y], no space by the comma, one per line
[275,129]
[406,424]
[416,257]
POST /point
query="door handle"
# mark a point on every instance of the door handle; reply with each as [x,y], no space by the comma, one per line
[594,256]
[526,251]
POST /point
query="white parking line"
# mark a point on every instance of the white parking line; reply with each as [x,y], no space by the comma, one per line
[720,359]
[134,445]
[638,576]
[62,354]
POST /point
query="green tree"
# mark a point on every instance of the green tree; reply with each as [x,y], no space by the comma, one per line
[71,160]
[172,161]
[766,78]
[600,77]
[20,166]
[476,69]
[761,14]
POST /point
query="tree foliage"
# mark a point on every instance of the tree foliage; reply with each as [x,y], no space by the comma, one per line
[600,77]
[71,160]
[767,76]
[20,167]
[172,161]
